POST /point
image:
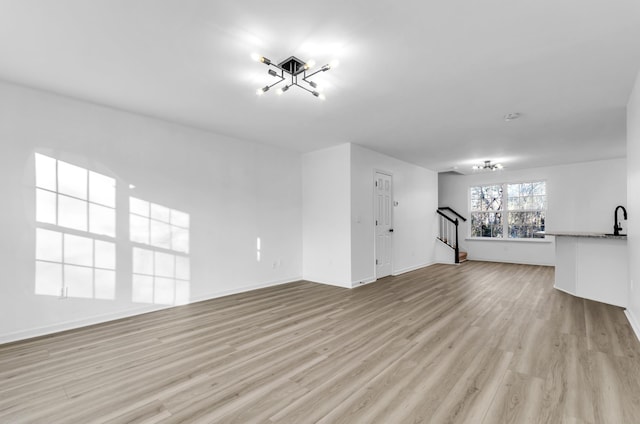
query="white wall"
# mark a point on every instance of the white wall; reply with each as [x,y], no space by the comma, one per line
[415,190]
[234,191]
[338,221]
[581,197]
[325,212]
[633,199]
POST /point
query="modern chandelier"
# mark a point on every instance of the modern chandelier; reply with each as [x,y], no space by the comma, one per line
[488,166]
[294,71]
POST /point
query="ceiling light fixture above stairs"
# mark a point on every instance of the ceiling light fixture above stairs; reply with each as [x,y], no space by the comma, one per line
[511,116]
[488,166]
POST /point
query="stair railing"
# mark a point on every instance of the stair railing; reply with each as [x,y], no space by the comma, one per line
[448,229]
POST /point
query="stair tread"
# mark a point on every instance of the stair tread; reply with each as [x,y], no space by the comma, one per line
[462,256]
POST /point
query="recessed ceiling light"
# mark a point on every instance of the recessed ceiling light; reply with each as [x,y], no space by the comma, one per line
[511,116]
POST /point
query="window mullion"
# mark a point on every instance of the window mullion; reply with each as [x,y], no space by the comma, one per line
[505,211]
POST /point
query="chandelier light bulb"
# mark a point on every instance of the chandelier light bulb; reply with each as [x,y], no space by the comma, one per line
[334,64]
[280,91]
[259,58]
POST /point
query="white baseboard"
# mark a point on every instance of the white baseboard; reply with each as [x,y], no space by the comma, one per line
[412,268]
[243,289]
[346,285]
[72,325]
[635,324]
[564,291]
[363,282]
[370,279]
[445,262]
[99,319]
[501,261]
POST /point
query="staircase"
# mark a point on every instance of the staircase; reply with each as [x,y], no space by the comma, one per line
[448,231]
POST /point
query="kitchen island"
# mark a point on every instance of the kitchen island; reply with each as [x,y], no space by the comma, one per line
[592,266]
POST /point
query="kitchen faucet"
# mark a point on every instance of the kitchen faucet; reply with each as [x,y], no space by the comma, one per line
[616,225]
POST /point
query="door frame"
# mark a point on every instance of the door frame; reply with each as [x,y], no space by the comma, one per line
[373,210]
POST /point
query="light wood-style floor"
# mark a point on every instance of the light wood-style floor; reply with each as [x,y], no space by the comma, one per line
[477,343]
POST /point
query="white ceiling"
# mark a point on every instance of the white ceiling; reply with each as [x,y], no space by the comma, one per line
[424,81]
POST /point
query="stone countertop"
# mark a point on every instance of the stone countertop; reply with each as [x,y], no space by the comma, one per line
[584,234]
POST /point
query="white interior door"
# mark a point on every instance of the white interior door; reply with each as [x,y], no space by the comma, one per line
[384,224]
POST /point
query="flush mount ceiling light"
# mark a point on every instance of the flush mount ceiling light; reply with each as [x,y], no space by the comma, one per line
[488,166]
[511,116]
[294,71]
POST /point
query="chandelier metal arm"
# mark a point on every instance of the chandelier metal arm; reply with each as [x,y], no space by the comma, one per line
[313,73]
[277,82]
[304,88]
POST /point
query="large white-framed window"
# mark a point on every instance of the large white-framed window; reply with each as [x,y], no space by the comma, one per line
[161,265]
[75,231]
[508,210]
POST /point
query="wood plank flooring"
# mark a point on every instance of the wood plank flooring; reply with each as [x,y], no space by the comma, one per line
[474,343]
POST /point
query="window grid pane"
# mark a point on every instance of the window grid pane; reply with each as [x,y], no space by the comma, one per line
[72,180]
[46,174]
[102,189]
[46,206]
[72,213]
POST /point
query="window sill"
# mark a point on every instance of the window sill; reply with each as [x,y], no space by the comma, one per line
[510,240]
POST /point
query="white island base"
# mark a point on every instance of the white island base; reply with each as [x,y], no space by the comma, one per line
[593,266]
